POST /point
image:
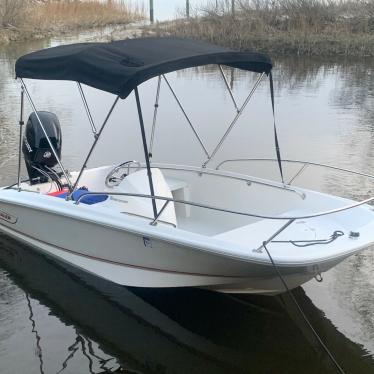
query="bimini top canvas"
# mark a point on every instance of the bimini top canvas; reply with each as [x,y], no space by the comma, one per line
[120,66]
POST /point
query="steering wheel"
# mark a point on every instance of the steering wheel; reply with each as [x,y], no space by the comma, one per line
[118,174]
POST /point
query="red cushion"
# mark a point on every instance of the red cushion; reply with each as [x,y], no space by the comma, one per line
[56,193]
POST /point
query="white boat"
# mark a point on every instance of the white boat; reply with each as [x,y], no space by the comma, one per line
[145,224]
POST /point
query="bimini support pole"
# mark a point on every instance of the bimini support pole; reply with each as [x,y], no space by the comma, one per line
[186,116]
[86,107]
[146,154]
[45,134]
[229,88]
[218,146]
[21,123]
[155,117]
[97,137]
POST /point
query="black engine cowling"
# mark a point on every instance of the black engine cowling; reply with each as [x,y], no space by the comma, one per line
[39,157]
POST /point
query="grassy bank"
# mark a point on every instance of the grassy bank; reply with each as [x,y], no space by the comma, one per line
[35,19]
[305,27]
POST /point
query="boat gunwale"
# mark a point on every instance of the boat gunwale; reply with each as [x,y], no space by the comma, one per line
[205,249]
[234,176]
[192,240]
[231,175]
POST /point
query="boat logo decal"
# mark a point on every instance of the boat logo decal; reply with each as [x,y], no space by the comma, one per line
[147,242]
[47,154]
[27,145]
[8,217]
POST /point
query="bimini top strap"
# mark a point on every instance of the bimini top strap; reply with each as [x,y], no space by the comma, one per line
[277,149]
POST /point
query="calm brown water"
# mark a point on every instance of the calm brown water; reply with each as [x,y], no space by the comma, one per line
[56,319]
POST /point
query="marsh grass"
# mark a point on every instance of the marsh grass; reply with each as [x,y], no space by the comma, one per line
[77,14]
[308,27]
[11,12]
[27,19]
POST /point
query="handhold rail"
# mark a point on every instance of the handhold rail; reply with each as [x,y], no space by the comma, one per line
[306,163]
[220,173]
[199,205]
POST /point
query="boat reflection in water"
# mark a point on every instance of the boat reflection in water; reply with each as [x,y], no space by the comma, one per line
[124,330]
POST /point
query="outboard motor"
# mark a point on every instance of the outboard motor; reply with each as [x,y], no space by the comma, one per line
[39,157]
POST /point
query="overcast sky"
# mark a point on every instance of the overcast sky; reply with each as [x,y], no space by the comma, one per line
[166,9]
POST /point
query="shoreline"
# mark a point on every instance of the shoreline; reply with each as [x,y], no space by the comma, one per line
[112,31]
[26,20]
[283,27]
[317,45]
[278,43]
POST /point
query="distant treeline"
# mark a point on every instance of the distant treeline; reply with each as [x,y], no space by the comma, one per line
[26,19]
[309,27]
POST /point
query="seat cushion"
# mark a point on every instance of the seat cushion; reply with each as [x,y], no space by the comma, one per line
[89,200]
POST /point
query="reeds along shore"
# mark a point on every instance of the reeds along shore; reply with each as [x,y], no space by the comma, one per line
[33,19]
[304,27]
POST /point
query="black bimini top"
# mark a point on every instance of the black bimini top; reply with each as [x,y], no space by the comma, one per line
[118,67]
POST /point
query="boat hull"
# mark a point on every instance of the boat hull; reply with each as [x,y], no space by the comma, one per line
[134,259]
